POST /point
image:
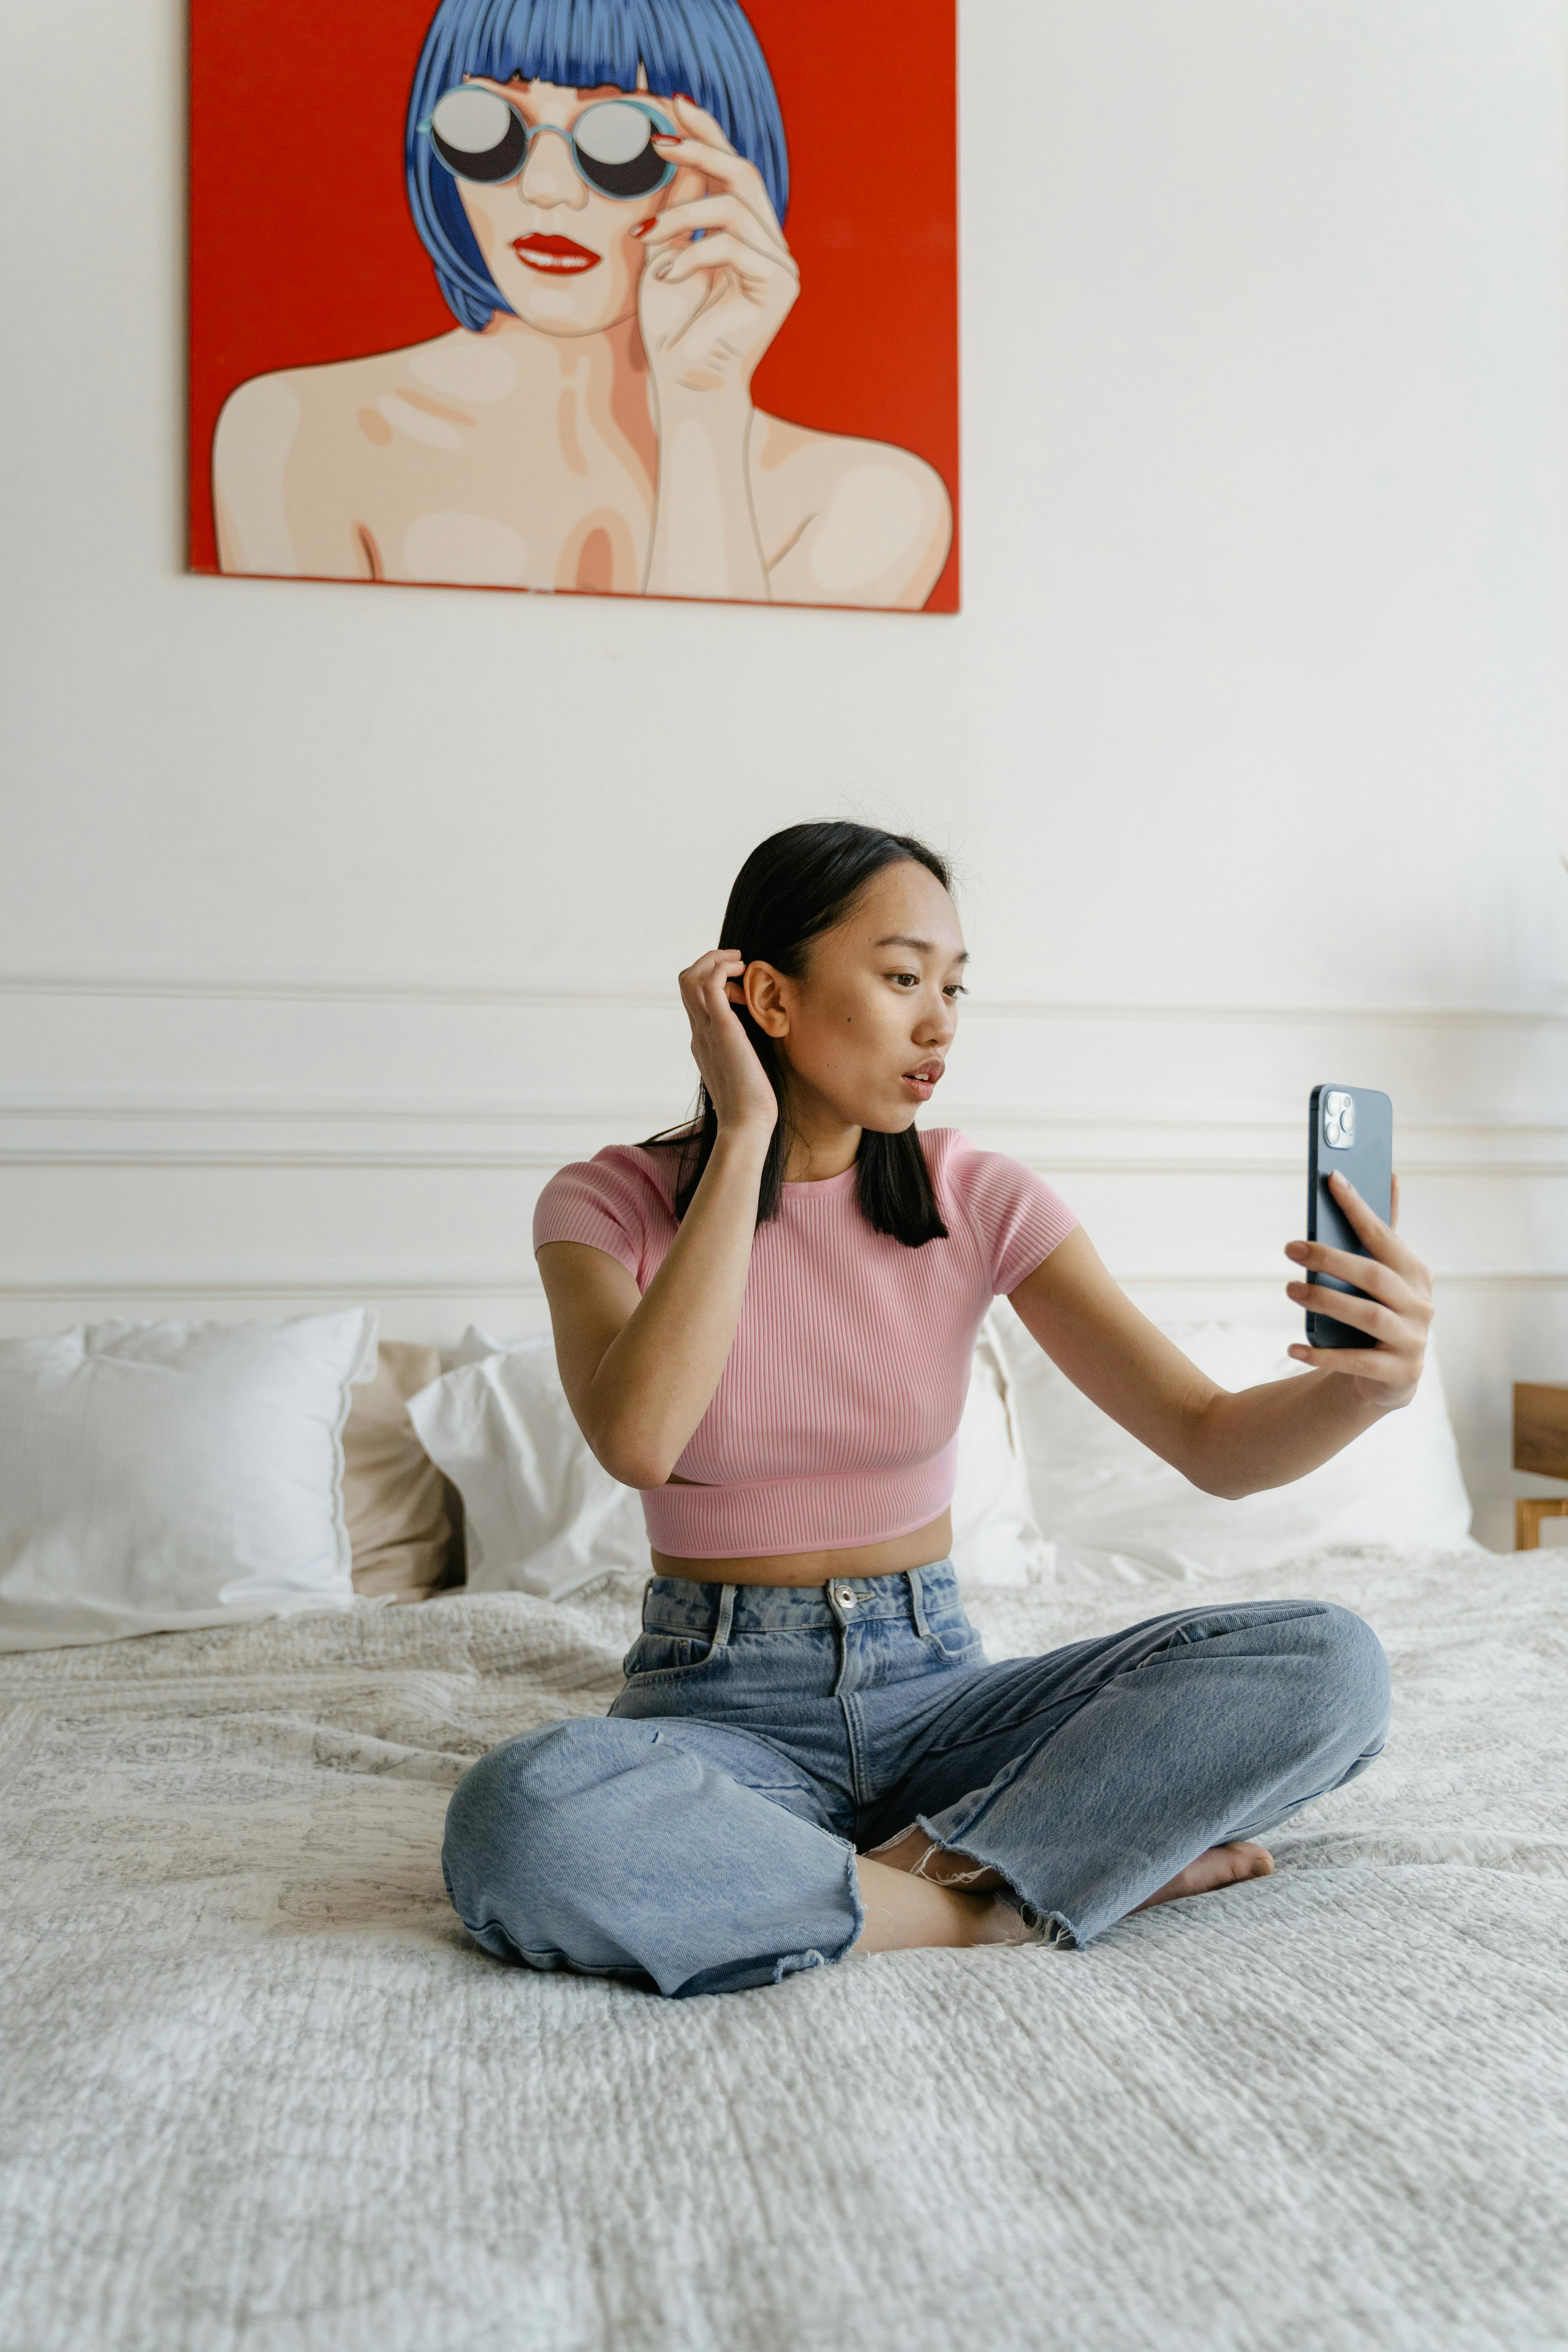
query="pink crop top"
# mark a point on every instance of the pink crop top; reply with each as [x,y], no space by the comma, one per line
[834,1421]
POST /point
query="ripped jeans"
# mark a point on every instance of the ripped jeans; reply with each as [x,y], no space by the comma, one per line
[701,1838]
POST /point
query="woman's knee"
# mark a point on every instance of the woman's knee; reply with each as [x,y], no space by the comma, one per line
[535,1811]
[1353,1683]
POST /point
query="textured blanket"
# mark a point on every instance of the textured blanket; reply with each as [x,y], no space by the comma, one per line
[260,2092]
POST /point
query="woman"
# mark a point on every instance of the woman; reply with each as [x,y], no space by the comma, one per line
[766,1322]
[600,184]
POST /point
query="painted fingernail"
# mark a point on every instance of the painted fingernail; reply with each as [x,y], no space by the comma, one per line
[642,227]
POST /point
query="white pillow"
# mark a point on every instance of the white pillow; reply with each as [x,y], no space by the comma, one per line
[159,1477]
[995,1537]
[1115,1511]
[541,1517]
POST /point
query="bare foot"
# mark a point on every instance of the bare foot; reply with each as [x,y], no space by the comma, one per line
[947,1898]
[1222,1866]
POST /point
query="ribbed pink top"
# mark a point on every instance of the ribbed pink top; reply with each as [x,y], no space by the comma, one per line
[834,1421]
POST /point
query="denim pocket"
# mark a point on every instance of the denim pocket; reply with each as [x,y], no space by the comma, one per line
[665,1654]
[955,1638]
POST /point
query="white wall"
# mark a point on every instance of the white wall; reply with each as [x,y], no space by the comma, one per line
[329,920]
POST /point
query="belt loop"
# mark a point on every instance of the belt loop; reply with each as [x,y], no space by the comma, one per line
[648,1588]
[916,1604]
[726,1616]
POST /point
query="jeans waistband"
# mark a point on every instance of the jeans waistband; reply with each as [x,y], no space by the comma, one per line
[675,1604]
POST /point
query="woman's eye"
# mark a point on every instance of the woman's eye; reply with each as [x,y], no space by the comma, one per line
[479,137]
[615,153]
[911,977]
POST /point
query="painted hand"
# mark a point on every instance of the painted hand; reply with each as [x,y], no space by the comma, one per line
[1396,1311]
[709,310]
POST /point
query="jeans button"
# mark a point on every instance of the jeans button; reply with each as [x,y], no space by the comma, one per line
[846,1599]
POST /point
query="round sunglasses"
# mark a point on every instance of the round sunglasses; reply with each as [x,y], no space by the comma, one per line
[480,136]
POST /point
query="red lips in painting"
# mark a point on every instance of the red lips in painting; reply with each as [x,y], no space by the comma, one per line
[555,256]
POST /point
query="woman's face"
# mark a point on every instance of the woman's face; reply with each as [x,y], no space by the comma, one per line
[867,1028]
[565,257]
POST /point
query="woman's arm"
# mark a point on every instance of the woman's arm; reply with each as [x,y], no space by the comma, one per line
[640,1373]
[705,540]
[1266,1436]
[707,308]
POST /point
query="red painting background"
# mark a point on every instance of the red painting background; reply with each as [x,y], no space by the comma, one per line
[303,249]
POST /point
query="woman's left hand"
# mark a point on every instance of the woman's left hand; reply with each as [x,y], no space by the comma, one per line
[709,310]
[1396,1311]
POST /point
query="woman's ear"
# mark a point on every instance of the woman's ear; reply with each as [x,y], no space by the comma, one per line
[766,991]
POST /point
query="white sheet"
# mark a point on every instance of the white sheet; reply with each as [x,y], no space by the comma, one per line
[259,2092]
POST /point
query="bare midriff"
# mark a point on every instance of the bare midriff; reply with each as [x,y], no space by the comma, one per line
[898,1553]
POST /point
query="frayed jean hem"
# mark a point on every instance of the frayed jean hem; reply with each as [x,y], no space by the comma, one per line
[1058,1931]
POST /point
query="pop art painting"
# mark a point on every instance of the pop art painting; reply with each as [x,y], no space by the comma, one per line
[607,297]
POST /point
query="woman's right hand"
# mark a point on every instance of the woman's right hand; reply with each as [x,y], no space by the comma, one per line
[736,1081]
[721,279]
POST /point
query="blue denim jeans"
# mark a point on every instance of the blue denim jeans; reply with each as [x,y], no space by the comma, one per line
[701,1838]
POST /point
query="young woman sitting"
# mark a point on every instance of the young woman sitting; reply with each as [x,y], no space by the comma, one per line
[766,1322]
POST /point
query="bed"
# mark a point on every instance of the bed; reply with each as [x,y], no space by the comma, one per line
[260,2091]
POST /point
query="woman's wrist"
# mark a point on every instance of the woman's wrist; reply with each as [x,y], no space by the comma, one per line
[726,406]
[705,432]
[744,1141]
[704,435]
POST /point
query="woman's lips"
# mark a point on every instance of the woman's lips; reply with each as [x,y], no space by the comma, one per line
[555,256]
[921,1083]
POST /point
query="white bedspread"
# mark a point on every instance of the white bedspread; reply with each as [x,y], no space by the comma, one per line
[259,2092]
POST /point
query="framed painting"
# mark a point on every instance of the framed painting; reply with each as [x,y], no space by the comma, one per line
[642,297]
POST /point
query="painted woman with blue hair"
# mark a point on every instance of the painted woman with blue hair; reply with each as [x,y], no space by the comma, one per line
[600,186]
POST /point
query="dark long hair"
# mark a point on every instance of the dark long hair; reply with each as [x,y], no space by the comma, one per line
[796,884]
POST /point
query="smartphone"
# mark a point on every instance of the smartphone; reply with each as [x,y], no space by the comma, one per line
[1351,1128]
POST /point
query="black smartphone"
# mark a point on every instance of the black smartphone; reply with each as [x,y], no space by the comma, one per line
[1349,1129]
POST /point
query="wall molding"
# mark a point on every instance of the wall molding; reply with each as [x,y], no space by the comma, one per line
[351,1286]
[448,1110]
[541,1160]
[593,997]
[633,1110]
[125,1130]
[348,1289]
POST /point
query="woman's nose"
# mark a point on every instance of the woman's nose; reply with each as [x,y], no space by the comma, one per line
[548,177]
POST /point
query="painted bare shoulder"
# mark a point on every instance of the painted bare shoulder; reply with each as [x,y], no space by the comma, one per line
[294,472]
[847,521]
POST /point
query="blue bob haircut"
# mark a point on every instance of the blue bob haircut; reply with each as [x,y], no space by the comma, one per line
[705,48]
